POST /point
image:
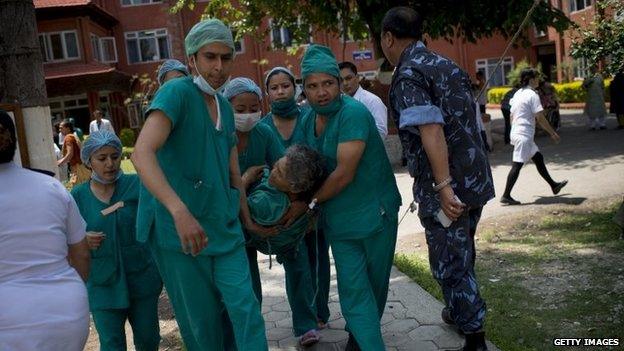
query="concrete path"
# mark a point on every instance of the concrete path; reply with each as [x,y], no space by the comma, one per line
[592,162]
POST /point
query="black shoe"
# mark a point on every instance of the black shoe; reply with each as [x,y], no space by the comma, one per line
[557,188]
[592,129]
[446,316]
[508,200]
[352,345]
[475,342]
[603,128]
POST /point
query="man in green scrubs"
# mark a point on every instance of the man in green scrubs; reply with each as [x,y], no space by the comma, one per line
[186,157]
[124,283]
[359,199]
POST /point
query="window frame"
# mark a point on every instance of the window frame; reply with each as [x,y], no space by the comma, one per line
[284,30]
[581,66]
[574,8]
[48,46]
[483,64]
[151,2]
[134,35]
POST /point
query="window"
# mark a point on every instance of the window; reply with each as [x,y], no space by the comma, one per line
[578,5]
[539,33]
[103,49]
[499,76]
[581,67]
[59,46]
[134,114]
[139,2]
[282,36]
[146,46]
[239,45]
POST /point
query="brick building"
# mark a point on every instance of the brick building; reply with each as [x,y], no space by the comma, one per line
[94,49]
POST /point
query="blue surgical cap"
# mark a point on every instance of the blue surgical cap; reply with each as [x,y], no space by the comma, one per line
[239,86]
[208,32]
[275,70]
[171,65]
[96,141]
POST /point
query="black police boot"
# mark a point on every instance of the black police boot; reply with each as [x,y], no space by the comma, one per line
[446,316]
[475,342]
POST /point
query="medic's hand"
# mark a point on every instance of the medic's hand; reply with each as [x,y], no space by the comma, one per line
[555,137]
[94,239]
[192,236]
[452,208]
[296,210]
[264,232]
[251,175]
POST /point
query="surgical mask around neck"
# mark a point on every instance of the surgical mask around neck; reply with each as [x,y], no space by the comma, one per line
[330,109]
[97,178]
[203,84]
[285,108]
[246,121]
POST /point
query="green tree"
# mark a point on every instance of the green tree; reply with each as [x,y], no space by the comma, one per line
[448,19]
[603,40]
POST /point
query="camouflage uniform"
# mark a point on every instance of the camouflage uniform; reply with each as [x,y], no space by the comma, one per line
[428,88]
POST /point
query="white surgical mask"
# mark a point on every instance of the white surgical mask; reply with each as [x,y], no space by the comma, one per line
[246,121]
[203,84]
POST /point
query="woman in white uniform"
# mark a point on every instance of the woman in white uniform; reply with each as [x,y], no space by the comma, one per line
[44,258]
[526,110]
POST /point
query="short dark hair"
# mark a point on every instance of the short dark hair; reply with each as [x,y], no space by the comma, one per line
[402,22]
[69,124]
[480,73]
[8,139]
[526,75]
[349,65]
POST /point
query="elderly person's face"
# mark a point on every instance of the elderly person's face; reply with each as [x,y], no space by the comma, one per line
[245,103]
[321,88]
[214,62]
[277,177]
[105,162]
[280,87]
[171,75]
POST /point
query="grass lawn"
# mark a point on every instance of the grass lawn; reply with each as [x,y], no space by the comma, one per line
[559,274]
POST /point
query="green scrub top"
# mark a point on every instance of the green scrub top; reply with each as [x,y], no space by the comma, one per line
[195,160]
[356,212]
[264,147]
[267,206]
[297,136]
[121,268]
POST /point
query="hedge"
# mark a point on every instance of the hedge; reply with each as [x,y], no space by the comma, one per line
[566,92]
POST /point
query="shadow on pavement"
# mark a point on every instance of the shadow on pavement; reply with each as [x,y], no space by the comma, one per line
[561,199]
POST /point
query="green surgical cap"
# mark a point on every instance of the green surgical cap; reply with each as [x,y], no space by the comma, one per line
[208,32]
[319,59]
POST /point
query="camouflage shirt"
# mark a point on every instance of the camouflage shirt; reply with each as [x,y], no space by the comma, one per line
[428,88]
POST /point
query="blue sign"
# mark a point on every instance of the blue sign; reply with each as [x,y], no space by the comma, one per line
[362,55]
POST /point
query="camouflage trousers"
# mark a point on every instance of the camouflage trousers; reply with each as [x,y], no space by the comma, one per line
[452,259]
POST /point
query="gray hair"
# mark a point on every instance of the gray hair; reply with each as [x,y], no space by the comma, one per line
[304,168]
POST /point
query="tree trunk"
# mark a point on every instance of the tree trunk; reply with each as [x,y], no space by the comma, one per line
[22,79]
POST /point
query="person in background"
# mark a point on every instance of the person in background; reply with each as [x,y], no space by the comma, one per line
[526,111]
[124,283]
[100,123]
[78,173]
[171,69]
[351,86]
[506,110]
[433,106]
[286,121]
[595,108]
[550,103]
[187,159]
[77,130]
[477,87]
[359,200]
[44,258]
[616,89]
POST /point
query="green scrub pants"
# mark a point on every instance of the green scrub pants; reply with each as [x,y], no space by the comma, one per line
[300,289]
[143,317]
[199,287]
[363,272]
[254,271]
[320,256]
